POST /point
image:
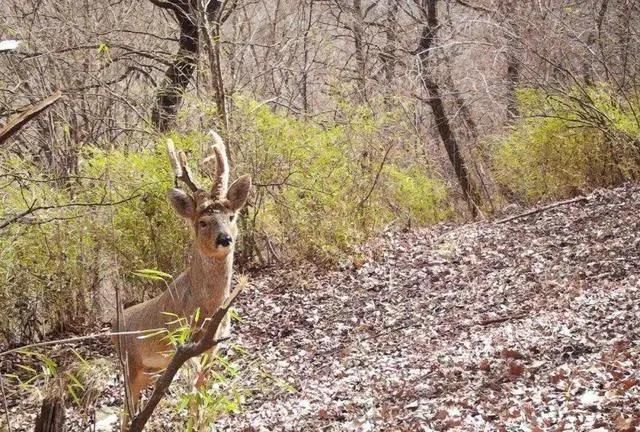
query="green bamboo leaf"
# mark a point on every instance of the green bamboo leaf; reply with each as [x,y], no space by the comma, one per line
[28,369]
[152,334]
[152,274]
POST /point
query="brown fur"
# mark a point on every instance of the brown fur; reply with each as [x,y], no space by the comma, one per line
[204,285]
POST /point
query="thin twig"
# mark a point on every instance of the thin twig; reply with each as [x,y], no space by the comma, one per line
[503,319]
[33,209]
[542,209]
[375,180]
[78,338]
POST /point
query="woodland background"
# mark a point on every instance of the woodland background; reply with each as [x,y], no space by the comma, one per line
[352,116]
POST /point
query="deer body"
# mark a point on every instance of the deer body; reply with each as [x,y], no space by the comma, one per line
[205,285]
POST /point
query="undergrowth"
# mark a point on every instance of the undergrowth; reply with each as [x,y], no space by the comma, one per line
[569,141]
[321,188]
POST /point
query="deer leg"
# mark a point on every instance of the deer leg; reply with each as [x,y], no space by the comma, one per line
[202,374]
[138,380]
[205,364]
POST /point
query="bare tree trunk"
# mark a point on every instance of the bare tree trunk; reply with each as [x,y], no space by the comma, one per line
[212,29]
[305,71]
[357,24]
[389,49]
[461,104]
[513,77]
[513,58]
[599,21]
[180,72]
[439,112]
[624,41]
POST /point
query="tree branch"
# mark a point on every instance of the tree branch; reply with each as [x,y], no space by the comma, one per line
[183,353]
[540,210]
[15,123]
[166,5]
[32,209]
[475,7]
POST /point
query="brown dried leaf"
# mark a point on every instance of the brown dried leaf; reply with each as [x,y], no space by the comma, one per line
[507,353]
[628,383]
[484,365]
[625,424]
[516,369]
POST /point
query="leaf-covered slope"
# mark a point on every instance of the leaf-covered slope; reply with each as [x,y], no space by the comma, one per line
[533,324]
[530,324]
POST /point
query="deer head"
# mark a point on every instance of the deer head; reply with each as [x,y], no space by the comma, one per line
[212,213]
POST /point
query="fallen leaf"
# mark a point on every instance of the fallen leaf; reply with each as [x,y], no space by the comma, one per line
[590,398]
[511,354]
[516,369]
[484,365]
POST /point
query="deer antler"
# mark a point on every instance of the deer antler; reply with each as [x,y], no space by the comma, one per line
[221,178]
[180,167]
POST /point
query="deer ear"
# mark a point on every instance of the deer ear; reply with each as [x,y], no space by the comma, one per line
[182,203]
[238,192]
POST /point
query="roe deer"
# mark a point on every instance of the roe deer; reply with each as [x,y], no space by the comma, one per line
[205,284]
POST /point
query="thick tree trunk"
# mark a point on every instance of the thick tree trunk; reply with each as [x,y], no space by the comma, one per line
[513,48]
[451,144]
[180,72]
[439,112]
[213,49]
[358,36]
[513,78]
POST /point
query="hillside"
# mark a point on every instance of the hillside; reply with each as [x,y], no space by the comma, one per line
[532,324]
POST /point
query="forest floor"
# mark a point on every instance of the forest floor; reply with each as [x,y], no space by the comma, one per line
[528,325]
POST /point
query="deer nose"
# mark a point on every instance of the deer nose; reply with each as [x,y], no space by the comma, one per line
[223,240]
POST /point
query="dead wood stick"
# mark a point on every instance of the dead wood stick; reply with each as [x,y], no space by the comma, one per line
[542,209]
[183,353]
[503,319]
[15,123]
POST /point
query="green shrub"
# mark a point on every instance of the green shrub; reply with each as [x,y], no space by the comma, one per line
[321,188]
[50,261]
[566,142]
[424,199]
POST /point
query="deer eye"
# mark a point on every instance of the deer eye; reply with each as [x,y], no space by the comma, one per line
[231,218]
[202,224]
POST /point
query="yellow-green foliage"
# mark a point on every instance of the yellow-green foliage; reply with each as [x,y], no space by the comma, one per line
[422,198]
[564,142]
[320,187]
[49,262]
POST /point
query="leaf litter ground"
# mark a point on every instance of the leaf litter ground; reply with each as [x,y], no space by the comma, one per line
[530,325]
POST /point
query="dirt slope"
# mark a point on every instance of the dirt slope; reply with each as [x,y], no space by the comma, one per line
[534,323]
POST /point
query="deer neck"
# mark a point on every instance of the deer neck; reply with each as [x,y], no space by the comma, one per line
[210,280]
